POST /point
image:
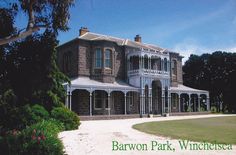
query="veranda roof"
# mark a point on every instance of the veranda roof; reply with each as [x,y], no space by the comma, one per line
[91,85]
[184,89]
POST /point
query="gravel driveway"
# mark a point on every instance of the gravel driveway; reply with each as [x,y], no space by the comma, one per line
[95,137]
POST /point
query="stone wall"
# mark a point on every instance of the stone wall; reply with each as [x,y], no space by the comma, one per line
[84,58]
[71,49]
[179,79]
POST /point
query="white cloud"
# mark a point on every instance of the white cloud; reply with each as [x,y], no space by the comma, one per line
[190,46]
[231,49]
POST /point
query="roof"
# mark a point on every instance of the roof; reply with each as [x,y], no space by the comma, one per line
[181,88]
[90,84]
[122,42]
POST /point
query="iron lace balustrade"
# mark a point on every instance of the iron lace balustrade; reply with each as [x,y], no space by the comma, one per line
[150,72]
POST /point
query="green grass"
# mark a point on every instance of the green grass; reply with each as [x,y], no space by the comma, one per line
[217,129]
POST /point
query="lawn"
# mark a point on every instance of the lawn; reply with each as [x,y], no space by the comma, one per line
[217,129]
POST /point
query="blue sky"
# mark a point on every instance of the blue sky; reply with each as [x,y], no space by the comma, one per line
[185,26]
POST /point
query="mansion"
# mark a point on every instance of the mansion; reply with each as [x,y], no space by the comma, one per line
[115,76]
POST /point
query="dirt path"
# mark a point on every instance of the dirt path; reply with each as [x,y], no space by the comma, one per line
[95,137]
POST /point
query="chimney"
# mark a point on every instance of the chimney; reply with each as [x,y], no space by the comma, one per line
[83,30]
[138,38]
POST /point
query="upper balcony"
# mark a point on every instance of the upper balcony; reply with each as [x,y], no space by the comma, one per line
[148,72]
[148,66]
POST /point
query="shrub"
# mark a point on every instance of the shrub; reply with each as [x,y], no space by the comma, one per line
[202,109]
[18,117]
[30,115]
[37,139]
[189,109]
[39,113]
[68,118]
[41,138]
[213,109]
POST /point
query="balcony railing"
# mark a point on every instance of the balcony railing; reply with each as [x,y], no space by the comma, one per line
[150,72]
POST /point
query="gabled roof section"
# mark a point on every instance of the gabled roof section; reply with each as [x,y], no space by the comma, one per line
[121,42]
[94,36]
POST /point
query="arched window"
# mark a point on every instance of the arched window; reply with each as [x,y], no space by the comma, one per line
[98,58]
[66,62]
[165,64]
[108,58]
[146,62]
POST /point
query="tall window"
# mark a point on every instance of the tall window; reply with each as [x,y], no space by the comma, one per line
[98,58]
[165,64]
[145,62]
[66,62]
[108,58]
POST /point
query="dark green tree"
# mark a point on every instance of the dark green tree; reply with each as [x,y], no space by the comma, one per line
[28,71]
[215,72]
[32,71]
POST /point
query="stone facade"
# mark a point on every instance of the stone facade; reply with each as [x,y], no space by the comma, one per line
[137,64]
[179,77]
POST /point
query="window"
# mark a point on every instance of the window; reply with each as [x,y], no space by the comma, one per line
[98,100]
[165,64]
[108,58]
[98,58]
[145,62]
[130,98]
[66,62]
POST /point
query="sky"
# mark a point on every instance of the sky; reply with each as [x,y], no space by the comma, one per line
[184,26]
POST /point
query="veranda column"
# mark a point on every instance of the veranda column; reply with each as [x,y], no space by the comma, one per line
[70,98]
[67,100]
[140,104]
[199,103]
[144,104]
[179,103]
[163,102]
[151,102]
[109,106]
[125,103]
[169,103]
[90,104]
[208,103]
[189,102]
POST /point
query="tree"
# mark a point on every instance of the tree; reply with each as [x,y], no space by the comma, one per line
[32,71]
[215,72]
[48,14]
[28,71]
